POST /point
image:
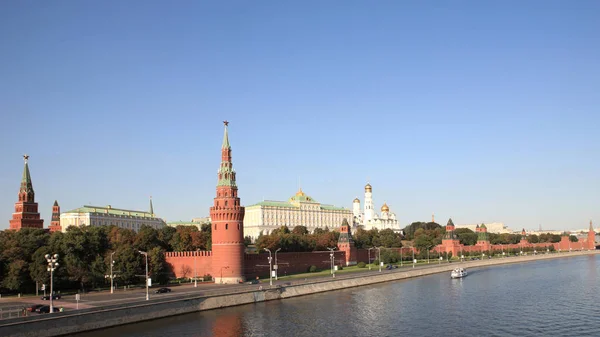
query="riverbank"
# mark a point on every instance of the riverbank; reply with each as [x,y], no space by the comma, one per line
[97,318]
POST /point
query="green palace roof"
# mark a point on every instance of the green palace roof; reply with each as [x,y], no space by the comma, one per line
[294,202]
[110,210]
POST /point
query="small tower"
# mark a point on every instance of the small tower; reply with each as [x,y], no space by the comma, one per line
[523,238]
[55,222]
[26,209]
[591,239]
[450,241]
[346,243]
[483,240]
[227,217]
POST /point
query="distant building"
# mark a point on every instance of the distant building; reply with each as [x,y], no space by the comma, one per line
[369,219]
[107,216]
[26,213]
[198,222]
[299,210]
[494,227]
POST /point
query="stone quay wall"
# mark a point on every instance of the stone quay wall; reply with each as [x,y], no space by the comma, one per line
[97,318]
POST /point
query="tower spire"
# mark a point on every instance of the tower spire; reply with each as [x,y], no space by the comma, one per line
[151,207]
[225,137]
[26,209]
[591,226]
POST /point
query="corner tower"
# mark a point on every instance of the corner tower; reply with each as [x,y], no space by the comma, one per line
[26,209]
[591,239]
[346,243]
[55,222]
[227,223]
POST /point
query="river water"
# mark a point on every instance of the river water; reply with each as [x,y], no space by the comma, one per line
[543,298]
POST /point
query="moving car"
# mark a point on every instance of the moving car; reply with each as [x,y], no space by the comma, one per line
[54,297]
[34,307]
[162,290]
[46,309]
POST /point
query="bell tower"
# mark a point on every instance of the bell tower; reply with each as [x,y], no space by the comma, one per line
[227,217]
[26,209]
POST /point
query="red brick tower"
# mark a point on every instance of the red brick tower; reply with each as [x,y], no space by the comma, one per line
[591,239]
[26,209]
[346,243]
[227,223]
[55,223]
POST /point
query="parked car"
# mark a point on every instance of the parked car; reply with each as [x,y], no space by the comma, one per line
[46,309]
[35,307]
[54,297]
[162,290]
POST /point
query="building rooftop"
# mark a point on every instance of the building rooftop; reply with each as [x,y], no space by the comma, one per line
[110,210]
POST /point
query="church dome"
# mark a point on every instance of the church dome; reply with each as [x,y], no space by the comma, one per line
[368,188]
[300,193]
[385,208]
[356,201]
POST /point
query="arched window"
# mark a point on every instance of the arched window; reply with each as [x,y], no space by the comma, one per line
[226,226]
[215,226]
[225,203]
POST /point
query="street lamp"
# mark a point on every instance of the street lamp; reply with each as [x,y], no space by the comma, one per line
[441,258]
[427,255]
[270,267]
[332,257]
[370,257]
[146,255]
[413,251]
[276,265]
[401,262]
[52,265]
[195,273]
[112,263]
[379,250]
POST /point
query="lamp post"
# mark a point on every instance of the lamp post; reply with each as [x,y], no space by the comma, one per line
[370,257]
[146,255]
[441,258]
[401,262]
[427,255]
[112,263]
[52,265]
[332,257]
[270,267]
[195,273]
[413,251]
[379,251]
[276,265]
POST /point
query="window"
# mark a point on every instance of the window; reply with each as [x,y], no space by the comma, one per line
[215,226]
[226,226]
[225,203]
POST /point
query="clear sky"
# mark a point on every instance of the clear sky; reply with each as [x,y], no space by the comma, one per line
[481,111]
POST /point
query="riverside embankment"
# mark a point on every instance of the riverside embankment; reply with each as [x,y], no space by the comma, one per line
[97,318]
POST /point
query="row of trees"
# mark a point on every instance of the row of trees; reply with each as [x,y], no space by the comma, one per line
[299,239]
[84,255]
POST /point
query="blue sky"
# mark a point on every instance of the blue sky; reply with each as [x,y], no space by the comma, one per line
[476,110]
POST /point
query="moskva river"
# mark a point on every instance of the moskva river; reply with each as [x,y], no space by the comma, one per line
[545,298]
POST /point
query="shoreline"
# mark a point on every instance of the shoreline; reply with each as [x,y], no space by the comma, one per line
[71,322]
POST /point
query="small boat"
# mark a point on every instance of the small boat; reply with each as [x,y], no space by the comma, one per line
[458,273]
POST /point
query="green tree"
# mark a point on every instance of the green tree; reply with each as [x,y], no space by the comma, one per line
[158,265]
[300,230]
[466,236]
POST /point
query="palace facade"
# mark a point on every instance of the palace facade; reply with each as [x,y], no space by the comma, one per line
[299,210]
[107,216]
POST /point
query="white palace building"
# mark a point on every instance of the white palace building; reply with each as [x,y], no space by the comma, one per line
[369,219]
[299,210]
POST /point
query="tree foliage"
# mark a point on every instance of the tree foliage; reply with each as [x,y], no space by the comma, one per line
[84,254]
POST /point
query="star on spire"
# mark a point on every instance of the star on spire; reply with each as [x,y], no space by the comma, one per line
[25,158]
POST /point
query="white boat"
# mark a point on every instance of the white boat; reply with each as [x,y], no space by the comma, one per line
[458,273]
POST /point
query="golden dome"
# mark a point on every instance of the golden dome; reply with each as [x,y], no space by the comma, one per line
[300,193]
[385,208]
[368,188]
[356,201]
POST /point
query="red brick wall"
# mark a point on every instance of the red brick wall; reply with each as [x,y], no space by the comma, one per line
[258,264]
[255,264]
[177,260]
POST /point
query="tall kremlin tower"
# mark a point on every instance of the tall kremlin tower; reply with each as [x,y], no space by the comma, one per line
[227,223]
[55,222]
[26,209]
